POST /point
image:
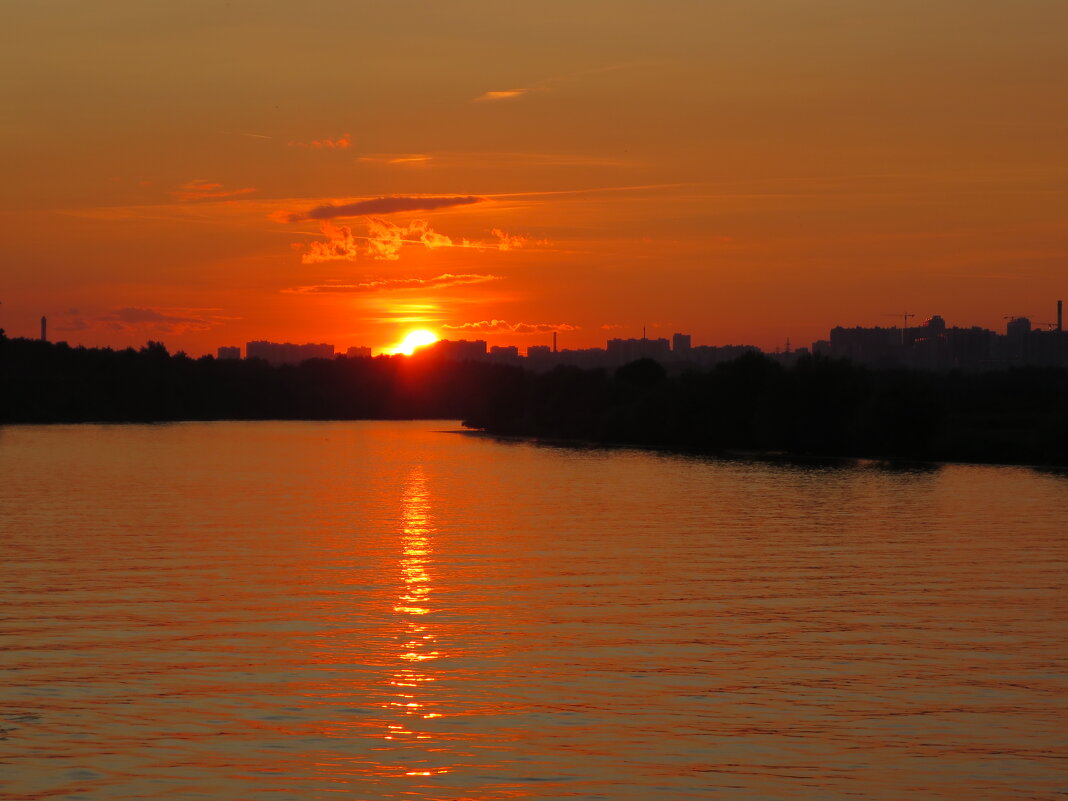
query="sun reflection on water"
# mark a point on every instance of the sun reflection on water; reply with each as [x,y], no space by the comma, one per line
[411,681]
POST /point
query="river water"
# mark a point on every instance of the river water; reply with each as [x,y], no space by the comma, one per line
[392,610]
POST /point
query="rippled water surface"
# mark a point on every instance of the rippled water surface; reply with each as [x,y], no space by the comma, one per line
[391,611]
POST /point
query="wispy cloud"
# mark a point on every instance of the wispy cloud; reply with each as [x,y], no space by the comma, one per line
[504,94]
[507,241]
[495,158]
[378,205]
[393,284]
[141,319]
[133,314]
[71,324]
[199,189]
[490,326]
[341,143]
[404,159]
[547,84]
[596,190]
[385,240]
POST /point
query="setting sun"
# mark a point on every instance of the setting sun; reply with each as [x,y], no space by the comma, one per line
[415,339]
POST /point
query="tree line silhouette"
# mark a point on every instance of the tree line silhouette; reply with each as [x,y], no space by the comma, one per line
[818,406]
[44,382]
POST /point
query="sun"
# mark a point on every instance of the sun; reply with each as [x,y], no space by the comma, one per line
[415,339]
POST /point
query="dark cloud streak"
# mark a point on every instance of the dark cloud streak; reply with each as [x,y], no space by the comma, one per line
[140,315]
[382,205]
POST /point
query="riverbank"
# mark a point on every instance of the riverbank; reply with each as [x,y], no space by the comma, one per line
[844,461]
[817,408]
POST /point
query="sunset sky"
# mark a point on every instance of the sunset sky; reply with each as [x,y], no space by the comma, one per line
[747,171]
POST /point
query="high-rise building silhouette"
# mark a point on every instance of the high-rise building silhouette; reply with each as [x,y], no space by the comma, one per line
[680,343]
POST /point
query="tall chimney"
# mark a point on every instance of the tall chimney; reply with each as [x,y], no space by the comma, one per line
[44,328]
[1060,315]
[554,342]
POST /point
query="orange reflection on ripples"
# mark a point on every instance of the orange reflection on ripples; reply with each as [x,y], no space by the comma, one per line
[416,640]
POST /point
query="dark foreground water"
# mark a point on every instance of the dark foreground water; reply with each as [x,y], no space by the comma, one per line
[387,611]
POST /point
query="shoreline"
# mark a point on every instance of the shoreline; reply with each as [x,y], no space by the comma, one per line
[723,454]
[902,463]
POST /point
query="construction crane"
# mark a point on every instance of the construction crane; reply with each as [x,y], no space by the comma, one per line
[1012,318]
[905,317]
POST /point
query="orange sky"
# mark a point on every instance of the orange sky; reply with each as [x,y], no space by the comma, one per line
[742,170]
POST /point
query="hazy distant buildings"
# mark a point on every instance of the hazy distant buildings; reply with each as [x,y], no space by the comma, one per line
[1023,344]
[711,355]
[866,345]
[932,345]
[624,351]
[504,354]
[455,350]
[540,357]
[586,358]
[678,353]
[936,346]
[287,352]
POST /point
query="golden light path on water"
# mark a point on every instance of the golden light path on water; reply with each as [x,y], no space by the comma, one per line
[303,611]
[412,680]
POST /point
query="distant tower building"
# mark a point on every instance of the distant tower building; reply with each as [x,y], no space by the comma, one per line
[44,328]
[358,352]
[935,325]
[680,343]
[504,354]
[1018,327]
[554,342]
[229,352]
